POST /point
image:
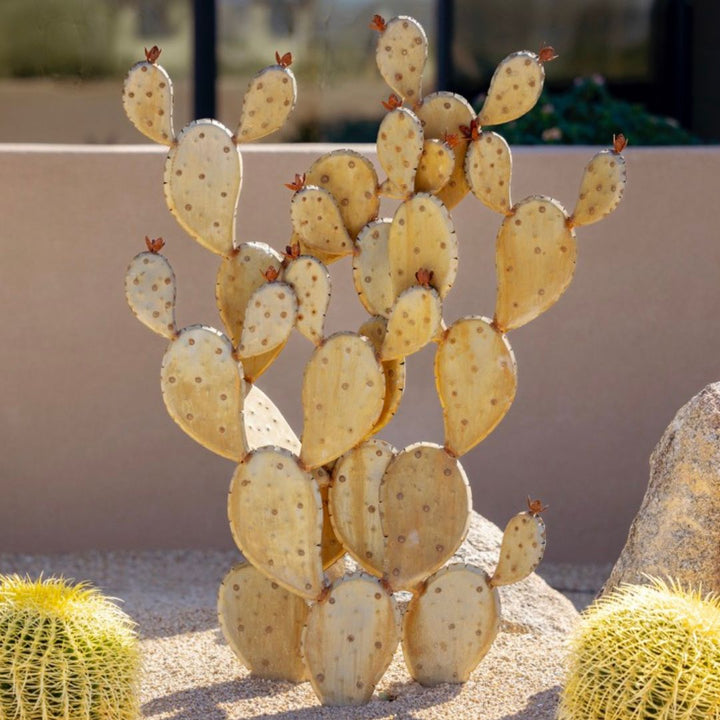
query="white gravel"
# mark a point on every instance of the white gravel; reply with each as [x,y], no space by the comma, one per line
[191,674]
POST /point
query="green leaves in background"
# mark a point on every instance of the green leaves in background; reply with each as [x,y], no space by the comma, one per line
[587,114]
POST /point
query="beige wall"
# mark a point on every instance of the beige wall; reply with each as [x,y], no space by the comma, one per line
[90,459]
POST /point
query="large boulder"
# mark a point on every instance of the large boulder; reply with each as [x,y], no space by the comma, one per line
[676,532]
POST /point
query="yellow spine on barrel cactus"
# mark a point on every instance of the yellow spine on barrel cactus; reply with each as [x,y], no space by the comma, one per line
[645,652]
[66,653]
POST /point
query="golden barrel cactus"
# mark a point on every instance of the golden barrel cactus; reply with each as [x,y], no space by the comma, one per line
[66,651]
[645,652]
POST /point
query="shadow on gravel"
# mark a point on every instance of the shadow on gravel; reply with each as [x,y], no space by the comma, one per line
[541,706]
[204,703]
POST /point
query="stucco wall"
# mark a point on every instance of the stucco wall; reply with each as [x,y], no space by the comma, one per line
[90,458]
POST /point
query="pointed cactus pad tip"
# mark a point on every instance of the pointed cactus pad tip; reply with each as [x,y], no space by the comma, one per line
[451,139]
[619,143]
[424,277]
[285,60]
[152,54]
[297,184]
[471,131]
[271,273]
[547,54]
[393,102]
[154,245]
[378,23]
[536,507]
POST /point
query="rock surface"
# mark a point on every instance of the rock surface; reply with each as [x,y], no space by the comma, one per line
[676,532]
[190,672]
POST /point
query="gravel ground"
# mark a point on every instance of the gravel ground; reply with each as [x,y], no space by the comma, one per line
[578,583]
[191,674]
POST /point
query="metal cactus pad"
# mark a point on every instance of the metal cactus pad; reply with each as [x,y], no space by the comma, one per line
[298,505]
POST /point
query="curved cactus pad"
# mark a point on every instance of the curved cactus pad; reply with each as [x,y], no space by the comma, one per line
[350,638]
[422,237]
[414,321]
[268,101]
[310,280]
[389,190]
[535,258]
[456,187]
[239,276]
[522,549]
[150,292]
[351,179]
[255,366]
[148,101]
[441,114]
[425,507]
[476,379]
[395,371]
[395,379]
[354,502]
[276,518]
[316,218]
[374,329]
[449,627]
[332,549]
[203,390]
[265,424]
[269,319]
[399,147]
[488,170]
[203,174]
[435,168]
[401,55]
[342,395]
[263,623]
[602,188]
[305,249]
[322,476]
[371,268]
[514,89]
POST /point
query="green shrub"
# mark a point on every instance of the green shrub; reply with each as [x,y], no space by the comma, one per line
[587,114]
[57,37]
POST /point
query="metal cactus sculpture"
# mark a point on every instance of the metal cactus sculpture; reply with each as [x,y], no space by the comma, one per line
[297,506]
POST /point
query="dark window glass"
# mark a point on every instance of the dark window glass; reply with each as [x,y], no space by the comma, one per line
[62,63]
[339,87]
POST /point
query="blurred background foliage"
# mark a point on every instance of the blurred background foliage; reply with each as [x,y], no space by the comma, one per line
[88,39]
[69,57]
[587,114]
[57,38]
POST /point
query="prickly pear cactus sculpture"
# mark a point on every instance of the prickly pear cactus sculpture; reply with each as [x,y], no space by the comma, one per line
[297,505]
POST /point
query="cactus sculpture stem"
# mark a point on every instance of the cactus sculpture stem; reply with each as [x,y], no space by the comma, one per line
[296,506]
